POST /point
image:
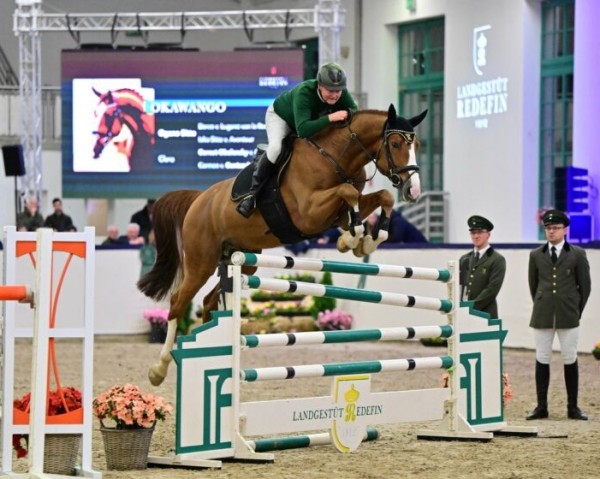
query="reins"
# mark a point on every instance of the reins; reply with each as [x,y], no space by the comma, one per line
[335,164]
[393,174]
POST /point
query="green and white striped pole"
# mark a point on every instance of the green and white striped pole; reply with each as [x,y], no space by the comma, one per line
[345,336]
[398,299]
[340,369]
[287,262]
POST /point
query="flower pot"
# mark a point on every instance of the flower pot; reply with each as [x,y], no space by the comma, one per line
[60,453]
[158,332]
[71,417]
[126,449]
[596,354]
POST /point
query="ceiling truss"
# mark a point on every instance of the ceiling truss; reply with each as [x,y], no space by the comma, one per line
[327,18]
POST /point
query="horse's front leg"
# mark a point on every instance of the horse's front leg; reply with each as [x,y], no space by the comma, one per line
[350,238]
[367,204]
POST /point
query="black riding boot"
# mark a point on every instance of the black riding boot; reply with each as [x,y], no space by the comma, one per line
[572,384]
[542,381]
[262,169]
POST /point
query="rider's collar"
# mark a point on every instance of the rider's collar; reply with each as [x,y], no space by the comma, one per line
[320,96]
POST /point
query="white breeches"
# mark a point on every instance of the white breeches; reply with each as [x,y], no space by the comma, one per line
[568,339]
[277,130]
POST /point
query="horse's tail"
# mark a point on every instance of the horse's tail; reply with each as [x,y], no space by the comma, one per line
[167,219]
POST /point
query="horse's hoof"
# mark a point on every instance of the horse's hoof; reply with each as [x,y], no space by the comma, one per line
[359,250]
[341,246]
[348,241]
[368,245]
[155,376]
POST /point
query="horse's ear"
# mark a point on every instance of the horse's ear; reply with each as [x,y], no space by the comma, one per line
[414,121]
[96,92]
[391,114]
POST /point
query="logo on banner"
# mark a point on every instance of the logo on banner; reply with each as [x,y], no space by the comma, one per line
[484,96]
[348,393]
[480,42]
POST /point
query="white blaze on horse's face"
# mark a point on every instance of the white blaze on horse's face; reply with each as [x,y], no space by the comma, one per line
[415,180]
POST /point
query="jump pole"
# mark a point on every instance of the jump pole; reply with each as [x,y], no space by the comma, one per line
[308,440]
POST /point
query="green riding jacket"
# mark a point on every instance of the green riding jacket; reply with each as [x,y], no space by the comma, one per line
[303,110]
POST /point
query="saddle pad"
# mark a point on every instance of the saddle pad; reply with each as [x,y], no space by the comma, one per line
[241,184]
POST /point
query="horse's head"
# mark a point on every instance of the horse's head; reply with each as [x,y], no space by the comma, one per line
[109,126]
[400,145]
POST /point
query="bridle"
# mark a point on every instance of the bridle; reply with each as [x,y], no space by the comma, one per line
[393,172]
[109,121]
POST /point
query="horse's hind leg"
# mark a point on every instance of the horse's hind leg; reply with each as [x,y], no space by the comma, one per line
[194,278]
[211,300]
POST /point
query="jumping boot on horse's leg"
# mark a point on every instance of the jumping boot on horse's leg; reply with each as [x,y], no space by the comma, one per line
[262,170]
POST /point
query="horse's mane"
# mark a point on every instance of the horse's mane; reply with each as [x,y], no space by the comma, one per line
[125,96]
[128,91]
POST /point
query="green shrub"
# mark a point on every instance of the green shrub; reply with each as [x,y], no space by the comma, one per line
[321,303]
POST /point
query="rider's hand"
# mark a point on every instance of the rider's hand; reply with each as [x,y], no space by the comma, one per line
[338,115]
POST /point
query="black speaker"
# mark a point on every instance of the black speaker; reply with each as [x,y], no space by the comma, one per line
[14,163]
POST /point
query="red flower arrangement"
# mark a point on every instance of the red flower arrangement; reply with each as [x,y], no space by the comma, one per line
[60,401]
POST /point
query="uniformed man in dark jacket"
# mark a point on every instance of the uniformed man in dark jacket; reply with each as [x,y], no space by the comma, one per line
[482,270]
[560,285]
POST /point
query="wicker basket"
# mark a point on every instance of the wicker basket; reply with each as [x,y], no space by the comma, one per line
[126,449]
[60,453]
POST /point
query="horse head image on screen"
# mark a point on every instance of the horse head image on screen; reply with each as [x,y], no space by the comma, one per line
[125,126]
[320,187]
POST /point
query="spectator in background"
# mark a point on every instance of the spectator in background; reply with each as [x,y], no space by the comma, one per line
[112,236]
[59,221]
[400,230]
[132,235]
[329,236]
[30,218]
[148,254]
[144,219]
[403,231]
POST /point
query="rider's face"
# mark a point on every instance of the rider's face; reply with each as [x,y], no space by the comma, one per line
[329,96]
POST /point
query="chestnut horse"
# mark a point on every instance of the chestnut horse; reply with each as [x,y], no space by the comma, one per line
[320,187]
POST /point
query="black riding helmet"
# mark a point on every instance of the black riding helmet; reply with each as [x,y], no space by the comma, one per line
[332,77]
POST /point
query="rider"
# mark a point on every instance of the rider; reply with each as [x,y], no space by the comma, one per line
[306,109]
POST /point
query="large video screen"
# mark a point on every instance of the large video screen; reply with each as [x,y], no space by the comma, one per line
[136,124]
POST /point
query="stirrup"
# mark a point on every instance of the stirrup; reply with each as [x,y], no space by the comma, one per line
[246,206]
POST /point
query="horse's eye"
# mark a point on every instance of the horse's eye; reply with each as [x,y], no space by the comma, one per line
[395,144]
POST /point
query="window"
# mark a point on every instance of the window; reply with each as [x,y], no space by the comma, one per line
[556,93]
[420,87]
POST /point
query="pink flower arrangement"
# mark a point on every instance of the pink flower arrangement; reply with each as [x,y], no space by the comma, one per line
[130,408]
[157,316]
[330,320]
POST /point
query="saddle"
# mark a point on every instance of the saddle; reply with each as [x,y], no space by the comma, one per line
[269,200]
